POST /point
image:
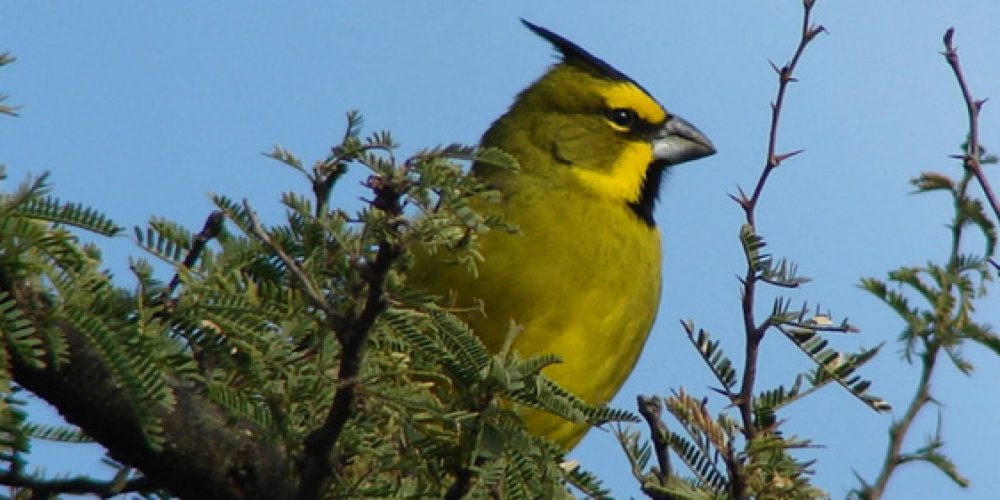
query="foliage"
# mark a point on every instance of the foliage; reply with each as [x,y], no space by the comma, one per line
[747,455]
[304,335]
[751,458]
[294,359]
[936,303]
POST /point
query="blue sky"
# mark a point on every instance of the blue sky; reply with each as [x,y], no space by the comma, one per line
[143,109]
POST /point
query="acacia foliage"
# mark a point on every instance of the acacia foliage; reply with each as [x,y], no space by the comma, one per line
[284,360]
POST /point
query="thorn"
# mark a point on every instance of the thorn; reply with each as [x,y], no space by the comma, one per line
[957,157]
[813,31]
[791,79]
[742,200]
[979,104]
[774,66]
[782,157]
[948,35]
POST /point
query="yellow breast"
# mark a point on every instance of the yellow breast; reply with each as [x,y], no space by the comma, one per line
[583,280]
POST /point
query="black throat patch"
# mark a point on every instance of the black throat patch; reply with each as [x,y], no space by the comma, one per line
[643,207]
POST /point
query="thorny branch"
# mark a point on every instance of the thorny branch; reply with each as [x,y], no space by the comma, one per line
[754,333]
[315,463]
[972,152]
[932,346]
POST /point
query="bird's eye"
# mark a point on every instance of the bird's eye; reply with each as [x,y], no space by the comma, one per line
[621,117]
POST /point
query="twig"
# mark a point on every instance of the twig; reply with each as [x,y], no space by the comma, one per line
[331,170]
[211,229]
[932,345]
[971,159]
[45,488]
[651,409]
[754,333]
[313,294]
[315,464]
[898,430]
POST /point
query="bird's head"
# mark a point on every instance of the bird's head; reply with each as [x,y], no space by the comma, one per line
[586,121]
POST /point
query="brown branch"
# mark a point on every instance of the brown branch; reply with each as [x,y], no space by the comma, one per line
[205,456]
[754,333]
[932,345]
[651,409]
[898,430]
[785,76]
[315,464]
[306,285]
[973,107]
[45,488]
[211,230]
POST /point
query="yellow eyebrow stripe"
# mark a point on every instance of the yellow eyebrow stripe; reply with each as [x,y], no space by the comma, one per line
[627,95]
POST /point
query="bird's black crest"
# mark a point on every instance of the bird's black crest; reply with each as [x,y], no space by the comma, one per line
[574,54]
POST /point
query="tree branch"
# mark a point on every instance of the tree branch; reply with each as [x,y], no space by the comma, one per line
[44,488]
[211,229]
[314,463]
[972,152]
[754,334]
[898,430]
[651,409]
[204,455]
[312,293]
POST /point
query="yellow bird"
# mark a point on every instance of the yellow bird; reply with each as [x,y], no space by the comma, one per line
[583,277]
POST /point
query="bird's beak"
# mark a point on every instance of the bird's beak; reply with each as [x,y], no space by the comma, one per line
[678,141]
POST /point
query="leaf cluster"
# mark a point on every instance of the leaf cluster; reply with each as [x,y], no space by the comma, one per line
[937,304]
[276,326]
[741,451]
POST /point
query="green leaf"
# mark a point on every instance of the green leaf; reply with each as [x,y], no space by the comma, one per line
[933,181]
[712,354]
